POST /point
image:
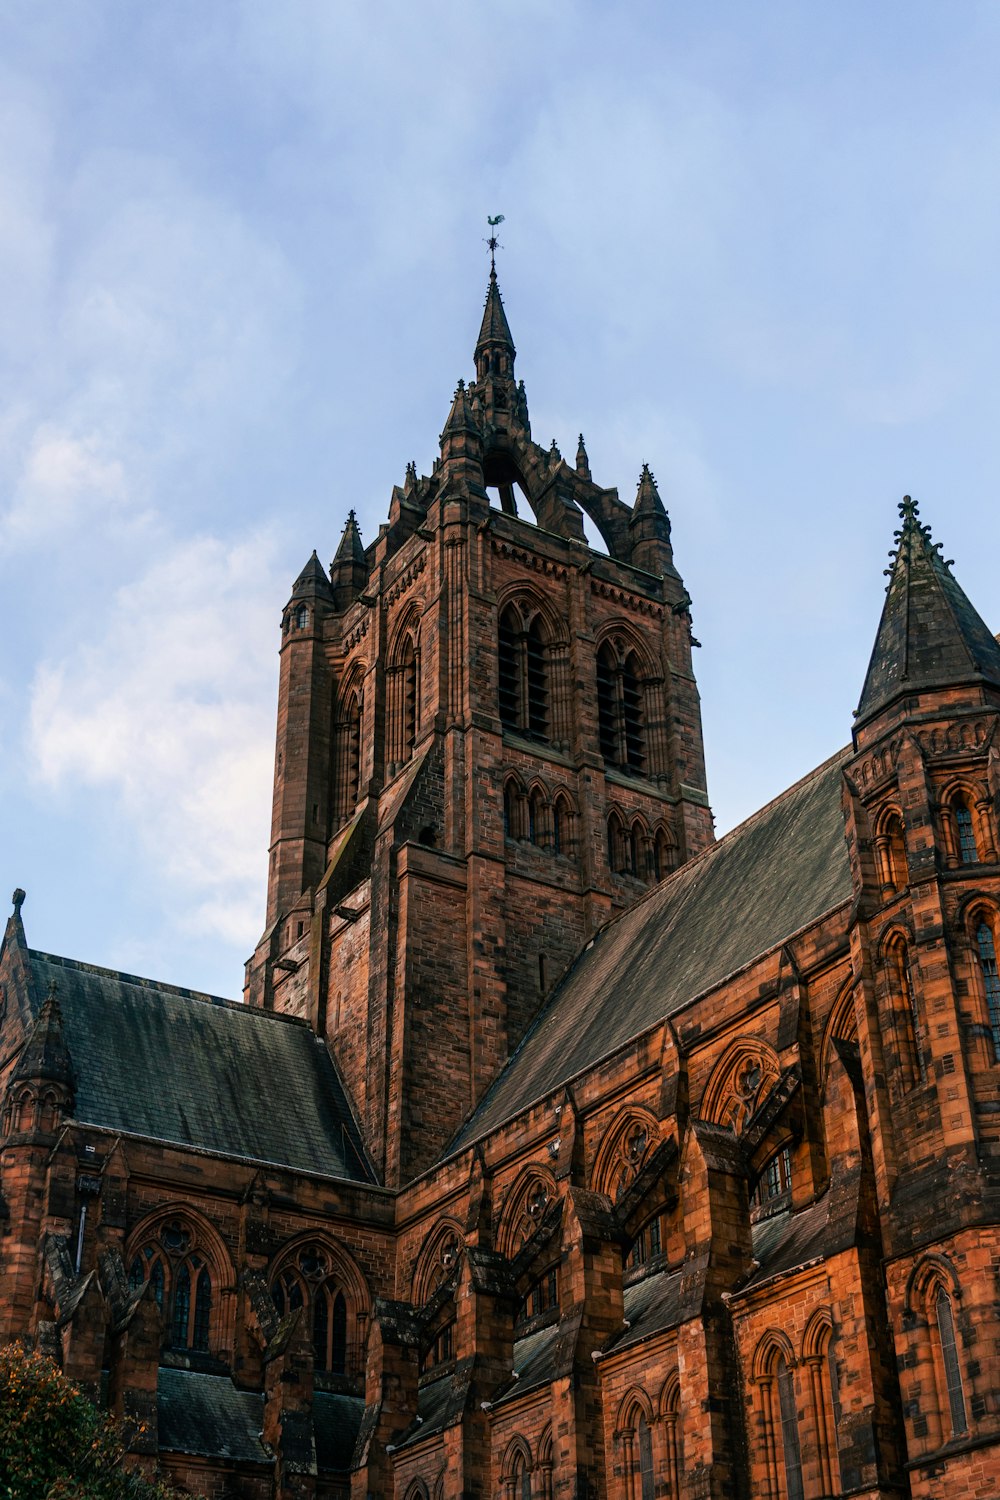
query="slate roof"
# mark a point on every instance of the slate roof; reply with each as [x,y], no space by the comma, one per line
[930,635]
[206,1415]
[781,870]
[788,1240]
[153,1060]
[336,1420]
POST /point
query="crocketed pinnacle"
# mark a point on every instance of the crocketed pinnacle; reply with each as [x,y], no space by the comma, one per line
[647,499]
[45,1055]
[930,635]
[351,548]
[461,418]
[495,329]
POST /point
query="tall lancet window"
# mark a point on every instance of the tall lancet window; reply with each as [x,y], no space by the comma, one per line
[620,708]
[347,756]
[402,706]
[523,678]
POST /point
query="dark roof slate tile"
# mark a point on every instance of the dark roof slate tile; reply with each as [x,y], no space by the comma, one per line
[205,1415]
[193,1070]
[782,869]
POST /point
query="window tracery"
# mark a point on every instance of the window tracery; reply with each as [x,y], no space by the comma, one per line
[436,1262]
[311,1279]
[742,1081]
[523,1214]
[625,1148]
[173,1261]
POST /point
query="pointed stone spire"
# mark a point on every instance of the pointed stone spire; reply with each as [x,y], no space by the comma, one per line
[45,1055]
[582,461]
[349,569]
[494,330]
[312,581]
[647,499]
[461,418]
[649,528]
[930,636]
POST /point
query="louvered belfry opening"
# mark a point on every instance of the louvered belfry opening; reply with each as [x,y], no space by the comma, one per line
[402,704]
[523,676]
[620,709]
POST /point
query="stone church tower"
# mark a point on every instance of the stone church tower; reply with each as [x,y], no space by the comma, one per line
[489,740]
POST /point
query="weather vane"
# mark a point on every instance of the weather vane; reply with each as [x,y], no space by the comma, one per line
[493,242]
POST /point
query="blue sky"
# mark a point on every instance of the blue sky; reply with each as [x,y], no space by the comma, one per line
[242,267]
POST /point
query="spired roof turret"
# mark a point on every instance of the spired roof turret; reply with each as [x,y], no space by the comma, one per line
[647,500]
[312,580]
[351,548]
[495,329]
[930,635]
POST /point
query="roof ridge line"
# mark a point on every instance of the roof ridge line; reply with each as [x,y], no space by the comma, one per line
[163,986]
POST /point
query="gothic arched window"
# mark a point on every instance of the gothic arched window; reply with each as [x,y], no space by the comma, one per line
[968,852]
[905,1014]
[563,827]
[664,853]
[620,710]
[821,1364]
[312,1281]
[181,1281]
[347,756]
[890,849]
[986,951]
[523,677]
[944,1316]
[618,855]
[402,706]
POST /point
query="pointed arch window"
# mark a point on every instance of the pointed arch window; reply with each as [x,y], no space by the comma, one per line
[347,757]
[951,1369]
[182,1285]
[987,952]
[563,827]
[890,848]
[403,702]
[790,1450]
[664,853]
[620,708]
[821,1364]
[645,1456]
[523,675]
[905,1014]
[310,1281]
[968,852]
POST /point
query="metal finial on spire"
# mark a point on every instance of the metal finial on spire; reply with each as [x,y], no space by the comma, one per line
[493,242]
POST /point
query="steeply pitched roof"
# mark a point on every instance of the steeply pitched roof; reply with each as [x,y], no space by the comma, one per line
[312,580]
[779,871]
[494,328]
[351,549]
[153,1060]
[929,636]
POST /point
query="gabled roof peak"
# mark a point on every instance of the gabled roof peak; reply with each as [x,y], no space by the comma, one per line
[930,635]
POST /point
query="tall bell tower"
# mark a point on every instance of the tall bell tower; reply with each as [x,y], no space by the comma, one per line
[489,740]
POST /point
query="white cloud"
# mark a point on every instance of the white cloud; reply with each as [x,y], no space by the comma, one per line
[170,707]
[65,482]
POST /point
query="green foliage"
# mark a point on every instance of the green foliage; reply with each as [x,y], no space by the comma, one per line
[55,1444]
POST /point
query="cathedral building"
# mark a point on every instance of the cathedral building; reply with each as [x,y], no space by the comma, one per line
[556,1149]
